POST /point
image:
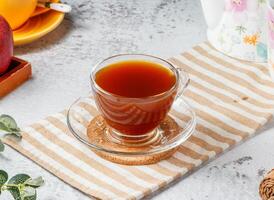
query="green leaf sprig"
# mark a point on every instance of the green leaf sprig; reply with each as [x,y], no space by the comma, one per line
[9,126]
[20,186]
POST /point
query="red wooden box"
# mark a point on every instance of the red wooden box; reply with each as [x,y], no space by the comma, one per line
[18,72]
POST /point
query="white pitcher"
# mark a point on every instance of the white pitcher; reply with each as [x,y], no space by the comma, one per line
[238,28]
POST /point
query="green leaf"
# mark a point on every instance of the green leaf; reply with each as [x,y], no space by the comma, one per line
[3,178]
[7,123]
[19,179]
[37,182]
[3,127]
[27,192]
[2,146]
[16,134]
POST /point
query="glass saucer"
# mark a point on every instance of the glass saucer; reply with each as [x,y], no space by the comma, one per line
[90,128]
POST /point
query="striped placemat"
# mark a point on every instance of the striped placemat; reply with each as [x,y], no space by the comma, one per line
[232,99]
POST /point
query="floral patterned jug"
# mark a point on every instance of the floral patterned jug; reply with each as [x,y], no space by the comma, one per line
[238,28]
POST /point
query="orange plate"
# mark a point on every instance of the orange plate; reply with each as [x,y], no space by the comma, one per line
[36,27]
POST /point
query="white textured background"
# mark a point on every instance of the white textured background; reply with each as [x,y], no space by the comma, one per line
[95,30]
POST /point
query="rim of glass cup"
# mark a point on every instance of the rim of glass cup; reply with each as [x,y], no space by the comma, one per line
[184,135]
[153,97]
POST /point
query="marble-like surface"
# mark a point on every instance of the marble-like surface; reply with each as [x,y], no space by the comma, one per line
[95,30]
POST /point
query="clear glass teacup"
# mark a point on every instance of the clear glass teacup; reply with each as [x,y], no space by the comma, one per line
[136,120]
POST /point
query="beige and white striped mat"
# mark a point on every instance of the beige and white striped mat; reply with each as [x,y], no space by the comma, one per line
[232,99]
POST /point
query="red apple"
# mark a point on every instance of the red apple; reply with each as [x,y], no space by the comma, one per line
[6,45]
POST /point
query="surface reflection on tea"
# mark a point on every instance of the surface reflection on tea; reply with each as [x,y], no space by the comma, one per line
[135,79]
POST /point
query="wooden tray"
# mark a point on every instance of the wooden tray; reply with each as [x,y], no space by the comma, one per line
[18,72]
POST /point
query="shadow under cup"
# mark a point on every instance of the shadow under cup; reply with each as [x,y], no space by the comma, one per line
[136,120]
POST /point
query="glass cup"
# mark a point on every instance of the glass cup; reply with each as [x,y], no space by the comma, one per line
[136,120]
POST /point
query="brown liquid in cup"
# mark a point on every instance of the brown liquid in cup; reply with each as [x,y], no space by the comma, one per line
[132,112]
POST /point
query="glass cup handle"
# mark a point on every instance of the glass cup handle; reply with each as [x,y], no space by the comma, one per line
[183,82]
